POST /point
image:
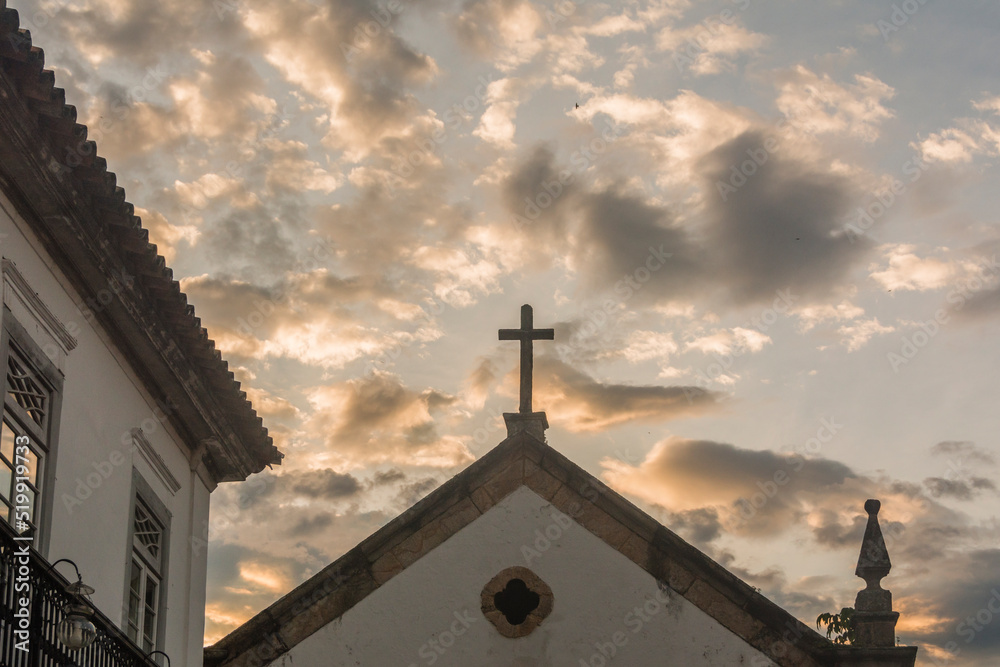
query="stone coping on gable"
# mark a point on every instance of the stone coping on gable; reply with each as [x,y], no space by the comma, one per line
[524,460]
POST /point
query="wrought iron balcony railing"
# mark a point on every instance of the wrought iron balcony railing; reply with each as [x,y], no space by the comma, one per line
[111,648]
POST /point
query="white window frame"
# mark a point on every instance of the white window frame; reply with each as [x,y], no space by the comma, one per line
[43,438]
[151,567]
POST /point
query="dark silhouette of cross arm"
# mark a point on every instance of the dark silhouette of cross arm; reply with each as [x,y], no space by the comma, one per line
[526,334]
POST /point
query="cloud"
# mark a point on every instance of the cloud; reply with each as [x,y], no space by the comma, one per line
[363,81]
[135,30]
[501,32]
[314,317]
[943,575]
[709,49]
[646,345]
[580,403]
[496,126]
[949,145]
[820,105]
[618,235]
[165,235]
[548,226]
[958,489]
[949,609]
[325,484]
[459,280]
[967,139]
[481,382]
[962,451]
[224,100]
[376,419]
[908,271]
[270,406]
[781,229]
[854,336]
[681,474]
[290,170]
[960,480]
[724,341]
[813,314]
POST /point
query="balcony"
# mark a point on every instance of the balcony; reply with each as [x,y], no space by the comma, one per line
[111,648]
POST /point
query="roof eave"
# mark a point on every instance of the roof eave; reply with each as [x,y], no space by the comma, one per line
[93,236]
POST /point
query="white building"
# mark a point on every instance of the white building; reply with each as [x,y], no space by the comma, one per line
[131,415]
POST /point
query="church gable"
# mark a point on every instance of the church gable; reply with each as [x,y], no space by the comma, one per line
[600,605]
[374,574]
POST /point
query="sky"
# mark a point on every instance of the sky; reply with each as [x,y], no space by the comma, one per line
[764,231]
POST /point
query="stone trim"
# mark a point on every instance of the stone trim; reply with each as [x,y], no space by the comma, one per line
[534,584]
[16,286]
[155,461]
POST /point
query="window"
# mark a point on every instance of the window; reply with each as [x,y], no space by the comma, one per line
[144,578]
[144,620]
[32,387]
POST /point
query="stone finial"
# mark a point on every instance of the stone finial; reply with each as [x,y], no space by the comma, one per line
[873,562]
[874,619]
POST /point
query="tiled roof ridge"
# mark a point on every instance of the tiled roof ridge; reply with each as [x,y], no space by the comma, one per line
[87,173]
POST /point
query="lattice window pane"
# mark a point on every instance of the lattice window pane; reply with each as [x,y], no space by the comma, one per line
[148,532]
[7,443]
[134,601]
[26,388]
[149,614]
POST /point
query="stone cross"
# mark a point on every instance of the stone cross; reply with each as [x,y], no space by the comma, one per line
[526,334]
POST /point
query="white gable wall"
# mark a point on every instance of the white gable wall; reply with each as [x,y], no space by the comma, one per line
[102,402]
[606,609]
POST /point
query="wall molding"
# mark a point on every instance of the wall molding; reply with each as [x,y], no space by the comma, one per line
[155,461]
[16,286]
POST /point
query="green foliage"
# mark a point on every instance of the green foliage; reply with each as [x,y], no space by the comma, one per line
[839,627]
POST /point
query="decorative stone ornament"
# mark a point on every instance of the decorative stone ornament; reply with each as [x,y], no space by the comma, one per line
[874,619]
[516,601]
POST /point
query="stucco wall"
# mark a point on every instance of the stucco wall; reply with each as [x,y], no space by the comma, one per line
[102,402]
[606,609]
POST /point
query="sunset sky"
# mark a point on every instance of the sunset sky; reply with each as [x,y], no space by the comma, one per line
[766,239]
